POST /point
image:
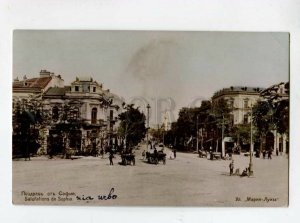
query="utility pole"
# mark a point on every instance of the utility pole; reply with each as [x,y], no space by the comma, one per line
[251,147]
[223,143]
[197,137]
[148,107]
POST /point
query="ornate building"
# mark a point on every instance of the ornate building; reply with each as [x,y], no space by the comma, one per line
[83,116]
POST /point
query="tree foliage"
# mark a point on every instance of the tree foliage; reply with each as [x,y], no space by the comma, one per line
[28,118]
[132,127]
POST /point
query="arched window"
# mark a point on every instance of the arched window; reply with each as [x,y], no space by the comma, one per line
[94,115]
[55,114]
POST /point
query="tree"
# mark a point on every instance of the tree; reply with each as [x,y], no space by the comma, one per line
[132,126]
[281,116]
[66,121]
[262,117]
[157,134]
[28,118]
[241,133]
[183,133]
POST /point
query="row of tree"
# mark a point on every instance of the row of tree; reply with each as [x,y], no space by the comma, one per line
[30,119]
[211,122]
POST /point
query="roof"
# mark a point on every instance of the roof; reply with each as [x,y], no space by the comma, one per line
[40,82]
[57,91]
[239,90]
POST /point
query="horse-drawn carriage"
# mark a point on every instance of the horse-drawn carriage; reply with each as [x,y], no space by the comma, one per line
[128,159]
[155,158]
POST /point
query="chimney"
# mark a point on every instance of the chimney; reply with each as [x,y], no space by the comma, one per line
[44,73]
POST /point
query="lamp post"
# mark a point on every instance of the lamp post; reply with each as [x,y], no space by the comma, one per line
[148,107]
[223,143]
[251,147]
[197,137]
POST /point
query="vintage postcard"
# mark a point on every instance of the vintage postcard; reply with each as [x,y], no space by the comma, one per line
[150,118]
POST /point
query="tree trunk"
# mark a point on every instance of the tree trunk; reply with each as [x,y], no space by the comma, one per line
[261,144]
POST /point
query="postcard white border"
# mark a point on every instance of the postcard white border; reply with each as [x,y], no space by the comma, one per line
[202,15]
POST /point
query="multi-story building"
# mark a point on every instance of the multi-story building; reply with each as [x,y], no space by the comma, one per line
[83,115]
[241,99]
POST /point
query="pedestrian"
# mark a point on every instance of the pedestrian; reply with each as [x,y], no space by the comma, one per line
[245,172]
[155,155]
[174,152]
[231,167]
[277,152]
[144,154]
[264,154]
[270,154]
[111,156]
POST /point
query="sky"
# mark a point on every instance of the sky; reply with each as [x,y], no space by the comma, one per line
[168,70]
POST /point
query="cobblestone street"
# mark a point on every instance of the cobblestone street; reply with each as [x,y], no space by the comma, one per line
[187,180]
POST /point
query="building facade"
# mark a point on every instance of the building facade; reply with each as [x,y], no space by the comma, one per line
[240,101]
[83,117]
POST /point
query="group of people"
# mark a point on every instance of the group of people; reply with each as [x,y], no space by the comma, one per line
[246,171]
[267,152]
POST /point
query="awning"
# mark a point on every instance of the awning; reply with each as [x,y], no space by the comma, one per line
[228,139]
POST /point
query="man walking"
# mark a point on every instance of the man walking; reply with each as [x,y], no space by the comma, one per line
[231,167]
[111,156]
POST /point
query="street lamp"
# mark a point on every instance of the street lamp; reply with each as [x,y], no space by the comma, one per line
[148,107]
[223,143]
[197,134]
[251,147]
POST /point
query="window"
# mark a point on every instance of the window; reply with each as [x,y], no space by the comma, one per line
[94,89]
[94,115]
[231,103]
[245,119]
[246,104]
[76,88]
[55,113]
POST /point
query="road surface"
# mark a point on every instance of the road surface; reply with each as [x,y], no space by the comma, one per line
[185,181]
